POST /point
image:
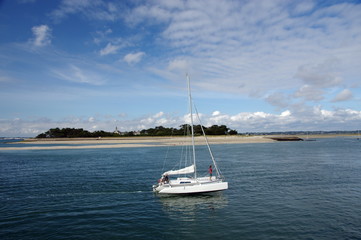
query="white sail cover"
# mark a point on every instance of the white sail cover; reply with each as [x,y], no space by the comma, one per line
[185,170]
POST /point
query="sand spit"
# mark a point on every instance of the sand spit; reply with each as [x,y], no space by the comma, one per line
[127,142]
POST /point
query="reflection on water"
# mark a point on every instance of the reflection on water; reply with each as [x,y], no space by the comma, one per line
[187,206]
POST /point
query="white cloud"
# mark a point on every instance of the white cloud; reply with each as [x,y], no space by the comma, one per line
[158,12]
[326,113]
[257,47]
[158,115]
[303,7]
[286,113]
[309,93]
[42,35]
[314,119]
[344,95]
[251,47]
[92,9]
[109,49]
[178,64]
[320,75]
[152,120]
[100,36]
[73,73]
[216,113]
[284,52]
[133,58]
[278,100]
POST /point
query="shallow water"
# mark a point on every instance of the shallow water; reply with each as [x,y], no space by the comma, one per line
[283,190]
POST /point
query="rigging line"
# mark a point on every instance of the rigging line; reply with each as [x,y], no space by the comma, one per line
[209,148]
[167,153]
[184,157]
[165,158]
[178,164]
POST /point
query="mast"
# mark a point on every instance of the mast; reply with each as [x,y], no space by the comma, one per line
[192,129]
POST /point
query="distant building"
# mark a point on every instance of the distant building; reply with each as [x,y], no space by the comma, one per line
[132,133]
[117,131]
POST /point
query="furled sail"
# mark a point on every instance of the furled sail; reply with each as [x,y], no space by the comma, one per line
[185,170]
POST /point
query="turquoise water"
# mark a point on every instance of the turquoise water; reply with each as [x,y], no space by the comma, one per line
[283,190]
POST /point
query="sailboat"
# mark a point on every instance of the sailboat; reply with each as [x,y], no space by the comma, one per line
[187,181]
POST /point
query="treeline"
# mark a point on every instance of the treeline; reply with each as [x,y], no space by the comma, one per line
[74,133]
[163,131]
[157,131]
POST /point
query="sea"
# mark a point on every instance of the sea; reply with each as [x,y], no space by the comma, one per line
[280,190]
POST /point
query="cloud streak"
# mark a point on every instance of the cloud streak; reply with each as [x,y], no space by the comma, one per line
[109,49]
[73,73]
[42,35]
[133,58]
[91,9]
[230,40]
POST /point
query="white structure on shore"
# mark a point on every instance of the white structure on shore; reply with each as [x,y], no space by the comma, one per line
[117,131]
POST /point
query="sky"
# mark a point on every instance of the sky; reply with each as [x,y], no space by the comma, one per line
[255,66]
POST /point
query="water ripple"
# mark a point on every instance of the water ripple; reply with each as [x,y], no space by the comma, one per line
[303,190]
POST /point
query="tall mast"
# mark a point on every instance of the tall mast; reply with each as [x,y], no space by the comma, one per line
[192,129]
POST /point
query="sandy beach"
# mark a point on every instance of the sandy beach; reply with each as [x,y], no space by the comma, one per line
[128,142]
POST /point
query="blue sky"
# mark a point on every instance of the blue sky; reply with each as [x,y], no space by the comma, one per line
[254,65]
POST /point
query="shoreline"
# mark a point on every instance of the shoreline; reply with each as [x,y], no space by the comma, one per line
[131,142]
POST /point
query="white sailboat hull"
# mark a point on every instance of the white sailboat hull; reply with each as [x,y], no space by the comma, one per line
[191,185]
[191,188]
